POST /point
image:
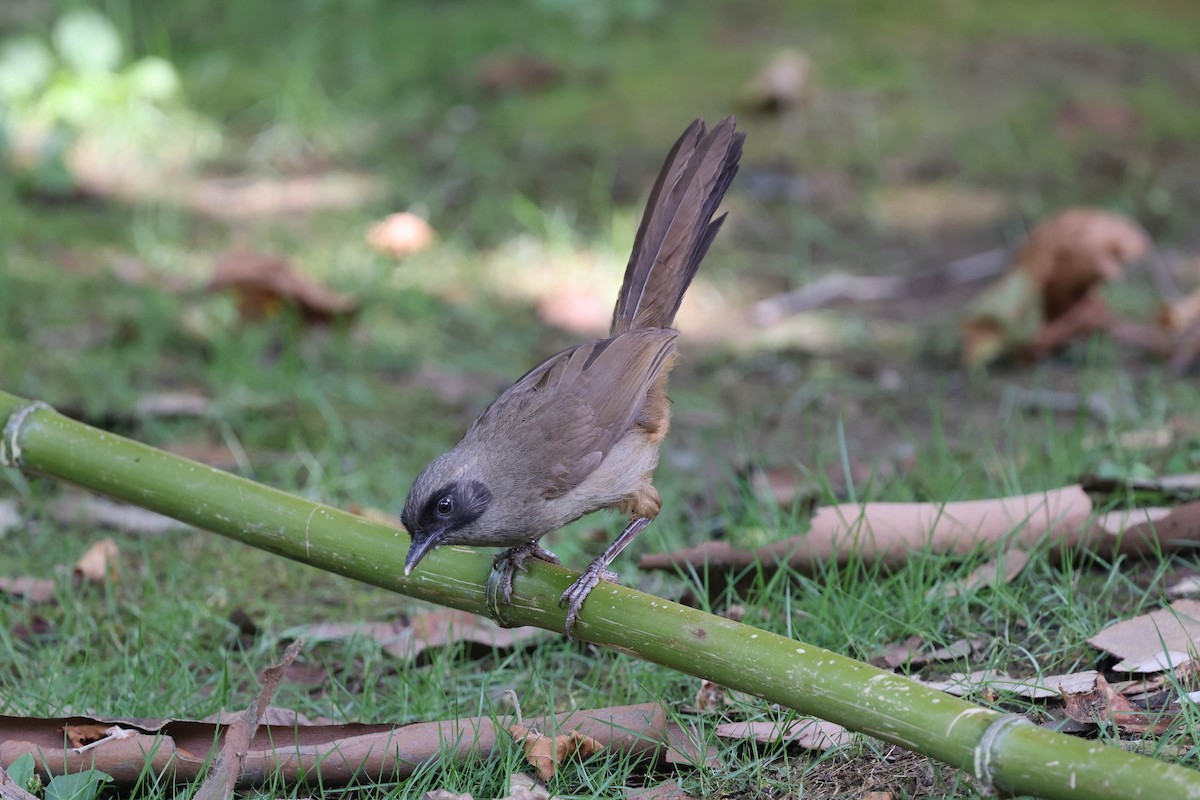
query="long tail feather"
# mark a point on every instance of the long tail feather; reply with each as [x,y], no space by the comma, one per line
[678,226]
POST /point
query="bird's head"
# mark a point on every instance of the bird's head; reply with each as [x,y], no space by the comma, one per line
[444,506]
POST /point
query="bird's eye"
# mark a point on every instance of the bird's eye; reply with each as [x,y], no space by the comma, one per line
[445,506]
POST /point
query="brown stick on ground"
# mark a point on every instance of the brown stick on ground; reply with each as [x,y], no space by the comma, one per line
[889,532]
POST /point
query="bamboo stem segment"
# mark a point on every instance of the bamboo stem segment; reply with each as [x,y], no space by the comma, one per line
[1001,750]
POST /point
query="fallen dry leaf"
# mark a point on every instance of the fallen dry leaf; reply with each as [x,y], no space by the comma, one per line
[783,84]
[668,790]
[1051,294]
[1185,587]
[35,590]
[524,787]
[545,753]
[408,638]
[446,794]
[1077,249]
[265,285]
[79,735]
[811,734]
[502,73]
[274,716]
[997,572]
[909,652]
[990,682]
[709,697]
[339,753]
[99,563]
[1102,705]
[401,235]
[906,652]
[227,770]
[1153,642]
[687,747]
[959,648]
[888,533]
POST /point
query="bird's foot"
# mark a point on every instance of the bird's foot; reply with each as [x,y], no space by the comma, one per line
[514,559]
[578,591]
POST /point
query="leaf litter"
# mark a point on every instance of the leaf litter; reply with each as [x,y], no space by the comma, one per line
[408,638]
[97,565]
[181,750]
[1051,294]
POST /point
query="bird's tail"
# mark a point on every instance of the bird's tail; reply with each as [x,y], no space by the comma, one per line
[677,227]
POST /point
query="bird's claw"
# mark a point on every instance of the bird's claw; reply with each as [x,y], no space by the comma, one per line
[514,559]
[578,591]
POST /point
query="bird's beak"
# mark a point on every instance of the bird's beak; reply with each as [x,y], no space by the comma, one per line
[421,545]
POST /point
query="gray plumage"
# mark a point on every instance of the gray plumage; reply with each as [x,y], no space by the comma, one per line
[580,431]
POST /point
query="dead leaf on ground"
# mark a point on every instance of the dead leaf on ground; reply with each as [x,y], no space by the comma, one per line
[989,683]
[909,652]
[407,639]
[1101,705]
[906,652]
[35,590]
[709,697]
[265,285]
[1185,587]
[227,770]
[79,735]
[1051,294]
[687,747]
[783,84]
[99,563]
[275,716]
[100,512]
[446,794]
[888,533]
[667,790]
[1153,642]
[339,753]
[401,235]
[997,572]
[525,787]
[545,753]
[503,73]
[811,734]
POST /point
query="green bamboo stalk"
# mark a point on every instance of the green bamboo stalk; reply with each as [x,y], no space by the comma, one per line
[1001,750]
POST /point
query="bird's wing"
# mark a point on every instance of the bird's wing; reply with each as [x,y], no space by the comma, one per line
[566,413]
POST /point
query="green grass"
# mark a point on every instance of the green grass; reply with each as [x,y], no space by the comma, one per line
[554,178]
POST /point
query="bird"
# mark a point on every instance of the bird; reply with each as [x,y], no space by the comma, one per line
[580,432]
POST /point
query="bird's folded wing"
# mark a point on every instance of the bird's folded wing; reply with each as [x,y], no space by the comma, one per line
[566,413]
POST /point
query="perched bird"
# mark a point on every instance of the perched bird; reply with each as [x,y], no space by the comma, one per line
[580,431]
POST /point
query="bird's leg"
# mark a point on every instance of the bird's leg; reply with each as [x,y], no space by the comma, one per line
[514,559]
[598,571]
